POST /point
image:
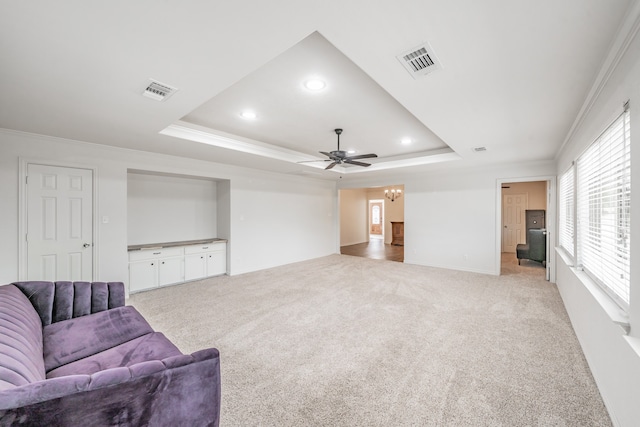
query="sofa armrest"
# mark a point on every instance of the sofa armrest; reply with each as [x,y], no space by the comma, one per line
[180,390]
[59,301]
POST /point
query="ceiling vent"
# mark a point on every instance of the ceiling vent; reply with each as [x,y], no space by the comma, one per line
[420,61]
[480,149]
[158,91]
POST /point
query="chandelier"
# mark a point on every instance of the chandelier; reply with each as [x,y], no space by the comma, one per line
[393,194]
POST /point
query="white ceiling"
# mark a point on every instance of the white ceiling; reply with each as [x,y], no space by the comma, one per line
[514,77]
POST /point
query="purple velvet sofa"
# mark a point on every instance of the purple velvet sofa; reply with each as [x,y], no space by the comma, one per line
[72,354]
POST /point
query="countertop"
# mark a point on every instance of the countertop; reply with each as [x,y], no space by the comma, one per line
[172,244]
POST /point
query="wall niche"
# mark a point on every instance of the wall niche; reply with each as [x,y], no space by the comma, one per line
[170,208]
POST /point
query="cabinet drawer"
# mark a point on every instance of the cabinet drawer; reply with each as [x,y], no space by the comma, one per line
[155,253]
[209,247]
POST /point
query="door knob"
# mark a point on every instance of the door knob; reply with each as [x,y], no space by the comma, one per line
[86,245]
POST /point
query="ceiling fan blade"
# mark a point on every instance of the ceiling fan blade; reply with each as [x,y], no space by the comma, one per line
[363,156]
[331,165]
[351,162]
[311,161]
[325,153]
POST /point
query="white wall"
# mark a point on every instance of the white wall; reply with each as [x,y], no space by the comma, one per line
[450,215]
[164,208]
[613,357]
[353,217]
[272,217]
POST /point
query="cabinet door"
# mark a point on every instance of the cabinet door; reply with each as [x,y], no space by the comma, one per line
[143,275]
[216,263]
[195,266]
[170,270]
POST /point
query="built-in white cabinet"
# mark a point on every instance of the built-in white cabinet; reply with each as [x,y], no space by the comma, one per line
[150,268]
[217,261]
[205,260]
[170,270]
[195,266]
[142,275]
[154,267]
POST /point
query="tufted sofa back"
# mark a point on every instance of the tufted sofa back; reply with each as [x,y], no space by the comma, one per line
[72,299]
[21,358]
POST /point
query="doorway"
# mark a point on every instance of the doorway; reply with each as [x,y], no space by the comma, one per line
[518,199]
[366,217]
[57,220]
[376,220]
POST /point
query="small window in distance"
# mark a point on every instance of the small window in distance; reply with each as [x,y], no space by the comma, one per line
[566,211]
[604,210]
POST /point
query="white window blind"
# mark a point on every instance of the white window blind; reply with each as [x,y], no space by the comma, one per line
[603,210]
[566,213]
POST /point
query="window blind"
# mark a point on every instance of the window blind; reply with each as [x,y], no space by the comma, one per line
[604,208]
[566,211]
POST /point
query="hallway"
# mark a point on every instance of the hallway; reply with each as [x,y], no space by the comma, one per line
[375,249]
[509,266]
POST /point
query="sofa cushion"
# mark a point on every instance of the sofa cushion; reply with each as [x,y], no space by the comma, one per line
[80,337]
[21,359]
[154,346]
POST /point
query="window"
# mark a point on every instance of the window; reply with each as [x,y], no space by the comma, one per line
[375,211]
[566,211]
[603,209]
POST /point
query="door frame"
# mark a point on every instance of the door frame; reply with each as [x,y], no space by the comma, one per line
[23,165]
[550,221]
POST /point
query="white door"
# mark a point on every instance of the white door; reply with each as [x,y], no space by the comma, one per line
[513,221]
[59,223]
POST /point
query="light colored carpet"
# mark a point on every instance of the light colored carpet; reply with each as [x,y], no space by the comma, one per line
[347,341]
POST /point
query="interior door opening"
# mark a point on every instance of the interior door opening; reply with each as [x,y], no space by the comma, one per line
[524,227]
[376,219]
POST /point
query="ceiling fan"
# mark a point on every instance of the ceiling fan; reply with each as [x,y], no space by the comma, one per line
[338,156]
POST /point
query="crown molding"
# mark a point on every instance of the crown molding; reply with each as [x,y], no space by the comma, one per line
[625,35]
[202,134]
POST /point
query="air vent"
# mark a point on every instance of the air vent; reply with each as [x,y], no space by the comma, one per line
[158,91]
[480,149]
[420,61]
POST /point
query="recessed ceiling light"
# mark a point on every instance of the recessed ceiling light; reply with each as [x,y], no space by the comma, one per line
[248,114]
[315,85]
[405,141]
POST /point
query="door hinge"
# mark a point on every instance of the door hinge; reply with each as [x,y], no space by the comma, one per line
[26,237]
[26,179]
